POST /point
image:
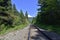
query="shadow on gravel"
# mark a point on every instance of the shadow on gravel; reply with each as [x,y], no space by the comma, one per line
[52,35]
[40,36]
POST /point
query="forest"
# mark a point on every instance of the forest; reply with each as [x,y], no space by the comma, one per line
[48,16]
[10,18]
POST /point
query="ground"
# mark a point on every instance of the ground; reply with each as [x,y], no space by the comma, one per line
[29,33]
[16,35]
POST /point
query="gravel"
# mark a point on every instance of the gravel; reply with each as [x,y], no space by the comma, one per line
[36,35]
[16,35]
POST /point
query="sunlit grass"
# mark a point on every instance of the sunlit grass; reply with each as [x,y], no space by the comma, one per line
[5,30]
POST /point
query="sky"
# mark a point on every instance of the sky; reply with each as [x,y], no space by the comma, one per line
[27,5]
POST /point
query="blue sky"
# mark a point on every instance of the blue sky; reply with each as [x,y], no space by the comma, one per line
[26,5]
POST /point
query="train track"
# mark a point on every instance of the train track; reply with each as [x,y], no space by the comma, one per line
[35,34]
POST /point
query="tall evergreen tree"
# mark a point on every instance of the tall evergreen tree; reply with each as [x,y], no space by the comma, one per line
[22,17]
[15,10]
[49,13]
[26,14]
[9,16]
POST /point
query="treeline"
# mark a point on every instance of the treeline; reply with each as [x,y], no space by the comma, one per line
[9,16]
[49,12]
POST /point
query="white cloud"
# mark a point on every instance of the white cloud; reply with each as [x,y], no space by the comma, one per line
[29,16]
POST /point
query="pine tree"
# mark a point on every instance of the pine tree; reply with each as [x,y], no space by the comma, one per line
[22,17]
[15,10]
[26,14]
[49,13]
[5,13]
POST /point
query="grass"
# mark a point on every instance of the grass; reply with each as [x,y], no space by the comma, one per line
[5,31]
[53,28]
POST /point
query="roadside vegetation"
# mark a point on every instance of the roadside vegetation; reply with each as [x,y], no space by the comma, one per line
[48,16]
[10,18]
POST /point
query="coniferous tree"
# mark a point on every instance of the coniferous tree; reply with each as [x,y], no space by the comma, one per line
[26,14]
[49,13]
[15,10]
[22,17]
[9,16]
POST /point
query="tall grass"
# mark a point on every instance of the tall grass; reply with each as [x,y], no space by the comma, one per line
[5,30]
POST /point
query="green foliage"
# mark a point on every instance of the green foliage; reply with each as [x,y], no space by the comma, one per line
[18,27]
[52,28]
[15,12]
[26,14]
[33,20]
[9,16]
[22,17]
[49,13]
[48,16]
